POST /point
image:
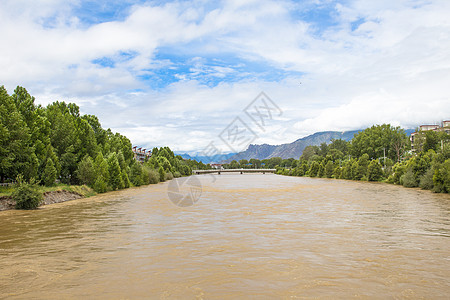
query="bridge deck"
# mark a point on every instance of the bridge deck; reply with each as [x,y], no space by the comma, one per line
[241,171]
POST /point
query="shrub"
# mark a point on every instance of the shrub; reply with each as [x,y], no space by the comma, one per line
[153,176]
[100,185]
[441,177]
[176,174]
[26,195]
[408,179]
[168,176]
[374,171]
[426,180]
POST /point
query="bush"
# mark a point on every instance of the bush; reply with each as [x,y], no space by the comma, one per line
[26,195]
[408,179]
[426,180]
[176,174]
[441,177]
[374,171]
[168,176]
[100,185]
[153,176]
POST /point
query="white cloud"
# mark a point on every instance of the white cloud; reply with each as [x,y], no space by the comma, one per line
[394,67]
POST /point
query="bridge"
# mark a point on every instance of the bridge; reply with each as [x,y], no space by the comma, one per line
[241,171]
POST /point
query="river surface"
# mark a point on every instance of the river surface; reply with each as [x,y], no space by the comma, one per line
[248,236]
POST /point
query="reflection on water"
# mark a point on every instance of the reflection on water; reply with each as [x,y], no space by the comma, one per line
[265,236]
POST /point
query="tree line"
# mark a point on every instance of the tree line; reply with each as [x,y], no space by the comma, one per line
[379,153]
[56,142]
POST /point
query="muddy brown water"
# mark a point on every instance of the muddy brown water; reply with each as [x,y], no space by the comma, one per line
[249,236]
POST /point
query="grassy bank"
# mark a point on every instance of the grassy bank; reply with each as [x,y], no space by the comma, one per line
[83,190]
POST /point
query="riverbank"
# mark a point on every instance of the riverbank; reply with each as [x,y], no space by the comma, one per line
[53,195]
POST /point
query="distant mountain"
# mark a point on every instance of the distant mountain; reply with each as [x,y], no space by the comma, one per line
[205,159]
[294,149]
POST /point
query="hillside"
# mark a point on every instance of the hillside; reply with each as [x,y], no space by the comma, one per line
[294,149]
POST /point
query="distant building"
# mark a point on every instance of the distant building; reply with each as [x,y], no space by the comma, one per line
[141,154]
[445,126]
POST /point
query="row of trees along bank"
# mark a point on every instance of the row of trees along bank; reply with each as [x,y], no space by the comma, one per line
[379,153]
[45,144]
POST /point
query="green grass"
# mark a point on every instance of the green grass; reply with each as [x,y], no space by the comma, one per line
[6,190]
[83,190]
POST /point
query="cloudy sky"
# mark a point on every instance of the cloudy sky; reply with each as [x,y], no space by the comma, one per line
[177,73]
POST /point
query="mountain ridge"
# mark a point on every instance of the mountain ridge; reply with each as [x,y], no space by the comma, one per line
[291,150]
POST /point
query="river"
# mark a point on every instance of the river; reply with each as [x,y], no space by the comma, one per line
[252,235]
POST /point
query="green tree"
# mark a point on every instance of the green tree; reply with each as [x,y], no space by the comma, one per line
[86,171]
[16,153]
[337,172]
[374,171]
[321,171]
[136,174]
[125,180]
[363,164]
[329,168]
[380,139]
[431,141]
[100,185]
[162,174]
[426,180]
[115,176]
[49,173]
[314,169]
[441,177]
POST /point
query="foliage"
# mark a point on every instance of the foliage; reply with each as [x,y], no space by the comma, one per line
[363,159]
[314,169]
[408,179]
[441,177]
[115,176]
[86,171]
[374,171]
[426,180]
[329,168]
[26,195]
[378,140]
[162,174]
[100,185]
[49,175]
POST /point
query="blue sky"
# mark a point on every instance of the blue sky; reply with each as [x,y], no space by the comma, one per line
[177,73]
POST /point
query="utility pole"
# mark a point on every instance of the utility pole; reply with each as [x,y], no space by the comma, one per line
[384,156]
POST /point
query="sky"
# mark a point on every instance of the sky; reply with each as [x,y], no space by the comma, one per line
[183,73]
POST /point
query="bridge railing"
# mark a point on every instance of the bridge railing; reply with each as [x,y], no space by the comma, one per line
[241,171]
